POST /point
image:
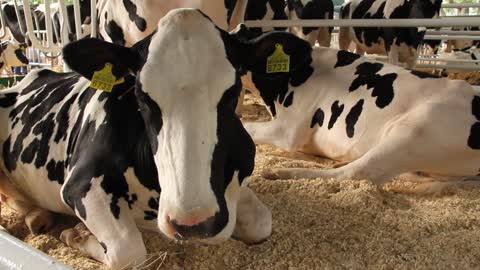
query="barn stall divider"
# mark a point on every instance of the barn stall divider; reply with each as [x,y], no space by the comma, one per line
[18,255]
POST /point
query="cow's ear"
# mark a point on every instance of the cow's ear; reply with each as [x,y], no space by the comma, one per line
[89,55]
[275,54]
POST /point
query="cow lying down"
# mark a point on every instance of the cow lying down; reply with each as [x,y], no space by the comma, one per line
[164,151]
[381,119]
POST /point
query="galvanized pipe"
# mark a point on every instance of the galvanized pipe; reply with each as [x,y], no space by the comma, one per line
[367,22]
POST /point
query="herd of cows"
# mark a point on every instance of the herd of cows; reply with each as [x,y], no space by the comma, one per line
[165,150]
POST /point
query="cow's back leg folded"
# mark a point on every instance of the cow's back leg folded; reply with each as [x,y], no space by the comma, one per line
[115,239]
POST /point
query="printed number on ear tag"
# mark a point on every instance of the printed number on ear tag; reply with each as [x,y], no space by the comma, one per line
[104,79]
[279,61]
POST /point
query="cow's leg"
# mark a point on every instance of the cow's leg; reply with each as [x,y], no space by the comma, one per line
[344,39]
[277,133]
[359,50]
[397,153]
[115,239]
[324,37]
[241,97]
[254,219]
[393,54]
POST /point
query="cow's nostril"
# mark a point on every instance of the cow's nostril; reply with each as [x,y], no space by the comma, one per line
[196,228]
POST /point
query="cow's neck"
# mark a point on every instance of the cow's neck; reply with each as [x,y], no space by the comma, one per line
[279,88]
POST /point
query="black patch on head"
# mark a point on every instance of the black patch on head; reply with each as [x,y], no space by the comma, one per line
[474,137]
[317,118]
[115,32]
[382,85]
[19,53]
[288,100]
[352,117]
[345,58]
[132,14]
[336,112]
[8,99]
[424,75]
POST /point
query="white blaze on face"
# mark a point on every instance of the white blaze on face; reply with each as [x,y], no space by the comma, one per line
[186,74]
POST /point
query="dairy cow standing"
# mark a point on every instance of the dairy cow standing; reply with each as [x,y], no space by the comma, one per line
[164,151]
[400,44]
[308,10]
[381,119]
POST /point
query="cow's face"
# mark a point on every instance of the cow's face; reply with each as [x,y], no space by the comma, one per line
[13,54]
[187,86]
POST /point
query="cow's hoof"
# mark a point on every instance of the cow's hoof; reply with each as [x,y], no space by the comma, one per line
[39,221]
[75,236]
[271,174]
[254,219]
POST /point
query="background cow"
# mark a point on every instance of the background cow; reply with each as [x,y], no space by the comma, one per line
[308,10]
[125,22]
[12,55]
[381,119]
[104,157]
[400,44]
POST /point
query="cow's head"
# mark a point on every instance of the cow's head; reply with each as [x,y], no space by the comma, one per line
[187,86]
[13,54]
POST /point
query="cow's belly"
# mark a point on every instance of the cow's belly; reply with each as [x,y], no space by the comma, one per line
[35,185]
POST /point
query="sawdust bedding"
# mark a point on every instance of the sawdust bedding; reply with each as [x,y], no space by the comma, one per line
[318,224]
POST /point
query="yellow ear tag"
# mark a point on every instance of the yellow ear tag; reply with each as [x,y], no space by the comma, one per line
[104,79]
[279,61]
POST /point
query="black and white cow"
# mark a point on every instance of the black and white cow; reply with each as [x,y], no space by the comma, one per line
[260,10]
[12,55]
[164,151]
[15,25]
[381,119]
[308,10]
[460,44]
[125,22]
[400,44]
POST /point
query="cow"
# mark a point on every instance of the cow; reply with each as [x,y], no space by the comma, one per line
[12,55]
[124,22]
[400,44]
[260,10]
[17,27]
[163,151]
[381,120]
[467,53]
[460,44]
[312,9]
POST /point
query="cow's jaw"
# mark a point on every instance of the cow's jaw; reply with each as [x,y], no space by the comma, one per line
[188,98]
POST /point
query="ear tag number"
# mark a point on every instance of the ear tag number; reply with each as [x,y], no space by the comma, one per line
[104,79]
[279,61]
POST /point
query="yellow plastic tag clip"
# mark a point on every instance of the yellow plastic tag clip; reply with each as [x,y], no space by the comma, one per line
[279,61]
[104,79]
